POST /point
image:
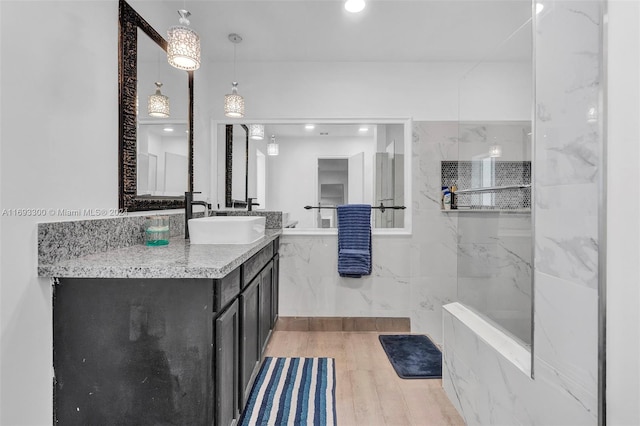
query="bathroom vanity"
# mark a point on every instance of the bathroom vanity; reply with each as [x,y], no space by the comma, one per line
[161,335]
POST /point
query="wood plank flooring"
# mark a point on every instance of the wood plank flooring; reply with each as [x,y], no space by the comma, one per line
[368,390]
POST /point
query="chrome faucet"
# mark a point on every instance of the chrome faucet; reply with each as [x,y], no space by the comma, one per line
[188,210]
[250,204]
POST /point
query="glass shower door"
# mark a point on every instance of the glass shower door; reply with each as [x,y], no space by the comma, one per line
[493,177]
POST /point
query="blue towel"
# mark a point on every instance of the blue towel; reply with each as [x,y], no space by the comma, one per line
[354,240]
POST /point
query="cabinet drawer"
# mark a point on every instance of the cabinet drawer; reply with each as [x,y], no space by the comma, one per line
[226,289]
[254,265]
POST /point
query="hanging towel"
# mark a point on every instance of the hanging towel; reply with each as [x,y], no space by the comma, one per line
[354,240]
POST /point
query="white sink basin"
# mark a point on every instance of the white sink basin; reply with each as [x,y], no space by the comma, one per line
[226,229]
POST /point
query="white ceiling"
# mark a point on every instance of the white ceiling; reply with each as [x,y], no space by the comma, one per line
[321,30]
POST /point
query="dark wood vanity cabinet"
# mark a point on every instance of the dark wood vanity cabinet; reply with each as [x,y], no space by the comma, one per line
[161,351]
[266,304]
[133,351]
[257,312]
[249,337]
[226,365]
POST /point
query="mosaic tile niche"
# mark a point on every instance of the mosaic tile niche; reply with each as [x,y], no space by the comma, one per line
[478,174]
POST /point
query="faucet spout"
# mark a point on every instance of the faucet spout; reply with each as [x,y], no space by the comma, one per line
[204,204]
[250,204]
[188,210]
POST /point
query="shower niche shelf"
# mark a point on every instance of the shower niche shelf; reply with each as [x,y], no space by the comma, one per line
[489,185]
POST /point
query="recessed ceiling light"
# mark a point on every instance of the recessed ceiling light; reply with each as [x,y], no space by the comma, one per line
[354,6]
[309,126]
[363,129]
[539,7]
[168,129]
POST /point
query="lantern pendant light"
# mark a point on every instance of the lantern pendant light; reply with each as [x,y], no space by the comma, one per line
[272,147]
[158,103]
[234,103]
[256,132]
[183,46]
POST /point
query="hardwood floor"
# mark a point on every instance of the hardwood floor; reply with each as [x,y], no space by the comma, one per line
[368,390]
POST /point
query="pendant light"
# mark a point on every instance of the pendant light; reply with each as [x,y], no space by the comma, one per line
[234,103]
[158,105]
[256,132]
[272,147]
[183,46]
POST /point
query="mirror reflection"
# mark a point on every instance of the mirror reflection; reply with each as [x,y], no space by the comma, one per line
[142,64]
[239,147]
[321,166]
[162,158]
[162,134]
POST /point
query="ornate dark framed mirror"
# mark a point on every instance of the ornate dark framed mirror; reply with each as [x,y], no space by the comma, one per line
[237,165]
[130,199]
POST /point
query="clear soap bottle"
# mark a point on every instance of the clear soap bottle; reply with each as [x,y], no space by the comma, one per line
[157,231]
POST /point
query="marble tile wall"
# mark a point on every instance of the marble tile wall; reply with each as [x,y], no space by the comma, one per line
[567,162]
[495,268]
[567,173]
[486,387]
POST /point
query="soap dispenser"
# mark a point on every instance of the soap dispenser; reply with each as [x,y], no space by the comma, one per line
[454,197]
[157,231]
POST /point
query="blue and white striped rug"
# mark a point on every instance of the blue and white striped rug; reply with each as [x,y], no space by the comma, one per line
[293,391]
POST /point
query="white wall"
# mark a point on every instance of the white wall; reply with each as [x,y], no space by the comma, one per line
[623,228]
[59,150]
[424,91]
[496,91]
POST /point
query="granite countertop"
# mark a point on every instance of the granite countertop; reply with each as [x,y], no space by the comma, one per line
[179,259]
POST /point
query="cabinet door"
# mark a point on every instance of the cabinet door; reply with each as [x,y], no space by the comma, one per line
[275,288]
[249,337]
[121,354]
[226,365]
[266,282]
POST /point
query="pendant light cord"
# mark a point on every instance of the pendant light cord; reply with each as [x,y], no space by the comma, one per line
[234,62]
[158,66]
